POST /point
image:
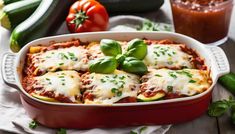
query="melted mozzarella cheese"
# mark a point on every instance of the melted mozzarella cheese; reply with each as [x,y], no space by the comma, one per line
[110,88]
[65,83]
[62,58]
[184,82]
[167,56]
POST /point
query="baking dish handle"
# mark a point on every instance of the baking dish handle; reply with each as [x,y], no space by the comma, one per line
[8,73]
[221,61]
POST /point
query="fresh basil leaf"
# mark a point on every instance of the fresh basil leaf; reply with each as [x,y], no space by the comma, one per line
[136,48]
[133,65]
[104,65]
[110,47]
[218,108]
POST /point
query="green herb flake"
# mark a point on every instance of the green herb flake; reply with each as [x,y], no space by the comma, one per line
[156,54]
[192,81]
[158,75]
[142,129]
[71,54]
[174,52]
[62,79]
[48,56]
[102,80]
[185,73]
[50,83]
[169,54]
[61,131]
[119,93]
[33,124]
[172,75]
[73,58]
[122,77]
[133,132]
[115,76]
[61,76]
[169,88]
[114,90]
[61,64]
[47,79]
[63,84]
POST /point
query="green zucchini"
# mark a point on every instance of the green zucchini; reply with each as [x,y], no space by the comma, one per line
[13,14]
[228,81]
[46,19]
[6,2]
[157,96]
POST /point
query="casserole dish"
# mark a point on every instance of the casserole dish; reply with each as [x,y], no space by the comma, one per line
[64,115]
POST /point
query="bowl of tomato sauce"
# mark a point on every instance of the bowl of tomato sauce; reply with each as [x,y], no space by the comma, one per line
[205,20]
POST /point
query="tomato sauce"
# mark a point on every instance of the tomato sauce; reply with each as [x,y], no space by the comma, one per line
[205,20]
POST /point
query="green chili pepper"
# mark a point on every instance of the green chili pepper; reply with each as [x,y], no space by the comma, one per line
[103,65]
[136,48]
[110,47]
[133,65]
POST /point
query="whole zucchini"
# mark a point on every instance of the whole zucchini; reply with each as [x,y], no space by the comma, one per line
[13,14]
[5,2]
[44,21]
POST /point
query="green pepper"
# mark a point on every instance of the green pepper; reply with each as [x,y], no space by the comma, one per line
[133,65]
[104,65]
[110,47]
[136,48]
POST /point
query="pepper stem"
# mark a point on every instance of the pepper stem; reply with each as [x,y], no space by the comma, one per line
[80,17]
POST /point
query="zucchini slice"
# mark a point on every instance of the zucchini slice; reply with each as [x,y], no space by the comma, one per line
[44,98]
[13,14]
[157,96]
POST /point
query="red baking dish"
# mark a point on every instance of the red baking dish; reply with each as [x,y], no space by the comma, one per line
[83,116]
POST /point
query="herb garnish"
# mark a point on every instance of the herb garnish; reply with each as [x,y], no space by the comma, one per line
[158,75]
[61,131]
[169,88]
[61,64]
[172,74]
[192,81]
[33,124]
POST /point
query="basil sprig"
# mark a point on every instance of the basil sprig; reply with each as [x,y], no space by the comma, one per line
[130,61]
[220,107]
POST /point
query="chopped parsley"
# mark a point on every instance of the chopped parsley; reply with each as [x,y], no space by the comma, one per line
[61,76]
[143,129]
[119,93]
[63,84]
[192,81]
[71,54]
[62,56]
[156,54]
[172,74]
[122,77]
[174,52]
[114,90]
[185,73]
[158,75]
[169,88]
[47,79]
[61,64]
[170,62]
[33,124]
[74,58]
[102,80]
[61,131]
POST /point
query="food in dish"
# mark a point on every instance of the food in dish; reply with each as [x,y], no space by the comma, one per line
[174,71]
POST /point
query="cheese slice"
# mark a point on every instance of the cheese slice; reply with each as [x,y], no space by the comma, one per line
[63,58]
[167,56]
[110,88]
[183,82]
[65,83]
